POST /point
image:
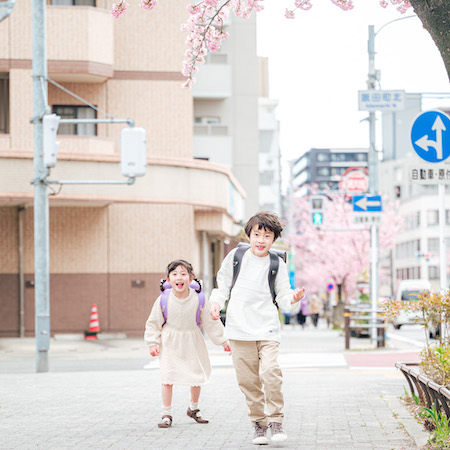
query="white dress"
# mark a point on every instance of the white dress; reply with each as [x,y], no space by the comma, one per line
[183,355]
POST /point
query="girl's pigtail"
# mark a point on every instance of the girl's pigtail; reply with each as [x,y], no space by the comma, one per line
[161,286]
[199,286]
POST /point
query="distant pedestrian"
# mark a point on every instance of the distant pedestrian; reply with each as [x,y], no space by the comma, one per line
[315,308]
[178,341]
[253,325]
[303,312]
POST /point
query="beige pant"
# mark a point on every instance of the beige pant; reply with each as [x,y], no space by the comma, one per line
[256,364]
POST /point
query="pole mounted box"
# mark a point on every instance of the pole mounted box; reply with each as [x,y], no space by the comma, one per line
[133,152]
[50,124]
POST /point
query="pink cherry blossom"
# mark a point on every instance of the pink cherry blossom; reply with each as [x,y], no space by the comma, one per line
[205,23]
[148,4]
[289,14]
[119,8]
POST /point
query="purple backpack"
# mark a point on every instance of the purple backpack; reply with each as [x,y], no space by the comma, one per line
[166,288]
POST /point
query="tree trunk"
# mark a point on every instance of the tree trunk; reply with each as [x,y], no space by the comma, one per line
[338,310]
[435,17]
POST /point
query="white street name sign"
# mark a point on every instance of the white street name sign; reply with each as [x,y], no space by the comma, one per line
[374,100]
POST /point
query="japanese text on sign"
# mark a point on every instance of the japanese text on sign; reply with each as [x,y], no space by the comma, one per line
[381,100]
[366,219]
[438,175]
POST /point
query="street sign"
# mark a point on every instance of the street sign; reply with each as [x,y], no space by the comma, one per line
[355,180]
[430,136]
[367,219]
[366,203]
[381,100]
[429,174]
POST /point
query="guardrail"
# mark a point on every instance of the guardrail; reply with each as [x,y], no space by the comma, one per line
[364,318]
[429,392]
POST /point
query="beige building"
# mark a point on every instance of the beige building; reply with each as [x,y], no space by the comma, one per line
[226,108]
[109,244]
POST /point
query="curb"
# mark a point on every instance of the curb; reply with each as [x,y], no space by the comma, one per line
[403,416]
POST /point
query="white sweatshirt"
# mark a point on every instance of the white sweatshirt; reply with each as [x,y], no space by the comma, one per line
[251,314]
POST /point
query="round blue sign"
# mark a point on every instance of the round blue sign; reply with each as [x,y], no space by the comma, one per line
[330,287]
[430,136]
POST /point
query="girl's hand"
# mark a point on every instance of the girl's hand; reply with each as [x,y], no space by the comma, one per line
[298,295]
[215,311]
[154,350]
[227,348]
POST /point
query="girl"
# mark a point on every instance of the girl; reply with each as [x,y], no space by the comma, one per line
[178,341]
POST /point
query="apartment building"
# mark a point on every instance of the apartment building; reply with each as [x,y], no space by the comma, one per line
[324,167]
[109,244]
[226,108]
[269,144]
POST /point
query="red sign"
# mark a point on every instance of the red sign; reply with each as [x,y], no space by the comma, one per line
[354,181]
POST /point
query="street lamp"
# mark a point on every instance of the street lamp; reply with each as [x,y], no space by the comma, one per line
[372,81]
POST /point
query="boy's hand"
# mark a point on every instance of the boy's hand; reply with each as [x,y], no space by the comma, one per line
[154,350]
[215,311]
[298,295]
[227,348]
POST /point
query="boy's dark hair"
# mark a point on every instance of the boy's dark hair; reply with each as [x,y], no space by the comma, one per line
[267,220]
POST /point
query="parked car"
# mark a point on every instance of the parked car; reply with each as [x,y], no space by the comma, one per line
[409,290]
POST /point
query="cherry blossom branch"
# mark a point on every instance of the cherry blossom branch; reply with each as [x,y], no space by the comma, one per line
[206,22]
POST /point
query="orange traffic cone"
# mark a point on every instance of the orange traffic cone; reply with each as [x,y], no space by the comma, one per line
[94,326]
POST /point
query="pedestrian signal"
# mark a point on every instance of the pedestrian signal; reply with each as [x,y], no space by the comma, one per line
[317,210]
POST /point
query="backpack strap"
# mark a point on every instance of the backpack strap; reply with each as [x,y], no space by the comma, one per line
[166,289]
[273,270]
[237,259]
[163,302]
[201,305]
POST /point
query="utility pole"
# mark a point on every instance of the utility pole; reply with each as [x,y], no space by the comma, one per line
[41,210]
[373,184]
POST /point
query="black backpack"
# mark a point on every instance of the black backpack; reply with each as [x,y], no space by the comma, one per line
[242,247]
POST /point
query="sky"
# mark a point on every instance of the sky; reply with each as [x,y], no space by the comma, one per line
[319,60]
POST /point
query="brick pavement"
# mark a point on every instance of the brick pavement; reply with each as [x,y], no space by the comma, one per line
[74,407]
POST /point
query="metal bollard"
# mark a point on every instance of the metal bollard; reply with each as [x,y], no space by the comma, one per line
[347,328]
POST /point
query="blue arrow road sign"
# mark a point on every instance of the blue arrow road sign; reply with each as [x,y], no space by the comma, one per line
[366,203]
[430,136]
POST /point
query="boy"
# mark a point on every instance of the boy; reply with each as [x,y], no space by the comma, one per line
[253,325]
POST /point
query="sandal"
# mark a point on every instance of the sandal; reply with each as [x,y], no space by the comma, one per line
[166,421]
[197,415]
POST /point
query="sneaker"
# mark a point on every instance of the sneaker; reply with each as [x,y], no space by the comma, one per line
[260,438]
[276,430]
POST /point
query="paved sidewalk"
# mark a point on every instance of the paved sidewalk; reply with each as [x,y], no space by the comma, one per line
[82,405]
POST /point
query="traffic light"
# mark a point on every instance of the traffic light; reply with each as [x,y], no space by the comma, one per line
[50,124]
[317,210]
[133,152]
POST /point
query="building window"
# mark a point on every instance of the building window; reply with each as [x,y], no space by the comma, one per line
[337,170]
[207,120]
[412,221]
[4,103]
[408,273]
[433,217]
[323,157]
[433,245]
[74,2]
[76,112]
[433,272]
[266,178]
[408,249]
[361,156]
[323,172]
[265,141]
